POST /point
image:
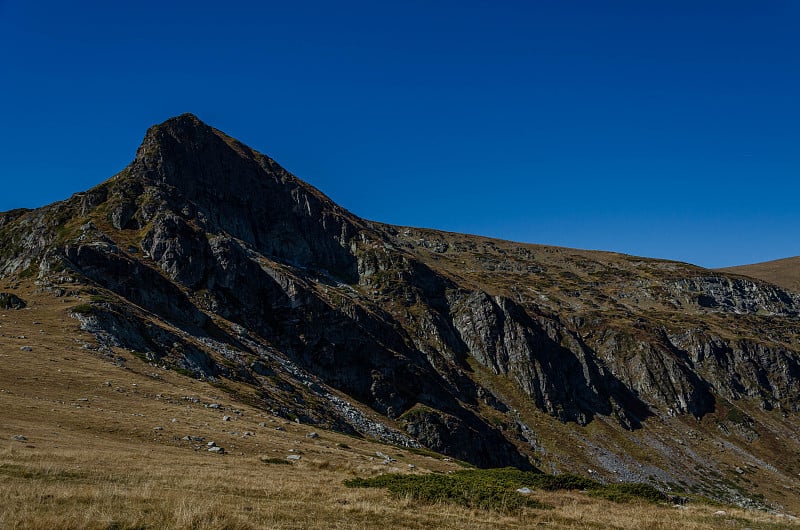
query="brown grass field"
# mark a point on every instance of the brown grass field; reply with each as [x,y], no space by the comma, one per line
[103,449]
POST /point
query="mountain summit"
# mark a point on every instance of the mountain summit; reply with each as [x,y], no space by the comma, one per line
[207,257]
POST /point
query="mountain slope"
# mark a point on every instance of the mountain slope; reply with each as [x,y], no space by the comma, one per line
[207,257]
[784,272]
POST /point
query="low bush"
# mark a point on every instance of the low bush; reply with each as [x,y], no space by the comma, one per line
[495,489]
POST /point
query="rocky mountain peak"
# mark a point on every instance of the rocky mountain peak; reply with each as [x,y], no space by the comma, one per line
[220,185]
[185,152]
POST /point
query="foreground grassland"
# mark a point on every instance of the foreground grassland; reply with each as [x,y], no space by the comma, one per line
[87,443]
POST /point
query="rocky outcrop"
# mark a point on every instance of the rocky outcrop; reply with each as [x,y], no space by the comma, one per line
[735,295]
[11,301]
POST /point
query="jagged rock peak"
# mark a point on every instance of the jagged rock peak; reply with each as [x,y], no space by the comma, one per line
[237,190]
[184,149]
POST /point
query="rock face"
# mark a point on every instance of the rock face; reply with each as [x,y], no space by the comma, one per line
[207,256]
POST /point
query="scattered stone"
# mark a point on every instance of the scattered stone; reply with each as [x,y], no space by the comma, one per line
[19,438]
[174,420]
[525,491]
[294,457]
[739,470]
[312,435]
[159,428]
[186,439]
[226,418]
[411,466]
[216,449]
[720,512]
[386,458]
[262,424]
[678,500]
[211,444]
[83,399]
[248,433]
[279,428]
[214,406]
[26,348]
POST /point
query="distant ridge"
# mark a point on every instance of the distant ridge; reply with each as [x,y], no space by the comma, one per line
[782,272]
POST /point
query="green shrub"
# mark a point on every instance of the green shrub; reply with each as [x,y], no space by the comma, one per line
[465,488]
[82,309]
[495,489]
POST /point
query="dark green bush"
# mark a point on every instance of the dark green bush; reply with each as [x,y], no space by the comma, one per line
[465,488]
[495,489]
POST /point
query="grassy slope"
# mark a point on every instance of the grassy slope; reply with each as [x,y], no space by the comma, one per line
[782,272]
[92,458]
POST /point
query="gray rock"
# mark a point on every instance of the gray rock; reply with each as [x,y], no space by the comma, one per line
[216,449]
[312,435]
[11,301]
[294,457]
[19,438]
[26,348]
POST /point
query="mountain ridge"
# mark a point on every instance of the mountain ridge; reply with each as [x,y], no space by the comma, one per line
[784,272]
[209,258]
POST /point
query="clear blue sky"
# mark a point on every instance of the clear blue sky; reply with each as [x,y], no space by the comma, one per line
[659,128]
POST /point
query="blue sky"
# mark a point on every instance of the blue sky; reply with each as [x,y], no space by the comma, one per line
[667,128]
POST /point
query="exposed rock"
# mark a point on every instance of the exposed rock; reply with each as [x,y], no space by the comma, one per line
[11,301]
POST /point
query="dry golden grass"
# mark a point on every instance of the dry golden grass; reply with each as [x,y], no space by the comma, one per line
[92,459]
